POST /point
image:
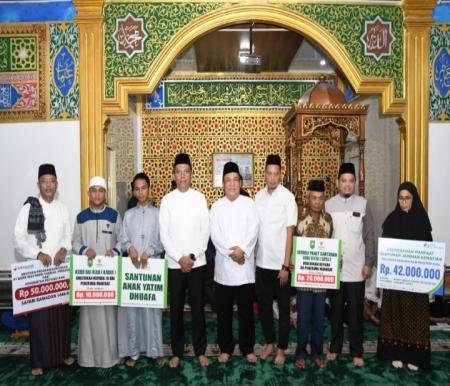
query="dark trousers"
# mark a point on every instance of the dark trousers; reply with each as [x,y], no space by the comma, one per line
[178,283]
[310,310]
[225,296]
[267,289]
[351,293]
[210,296]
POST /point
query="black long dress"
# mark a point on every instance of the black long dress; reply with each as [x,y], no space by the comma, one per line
[405,330]
[49,336]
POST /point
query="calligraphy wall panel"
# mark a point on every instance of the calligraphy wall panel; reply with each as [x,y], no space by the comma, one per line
[355,26]
[63,71]
[234,92]
[154,23]
[440,74]
[202,133]
[136,33]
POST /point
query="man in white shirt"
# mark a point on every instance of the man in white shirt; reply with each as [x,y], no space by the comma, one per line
[184,231]
[43,232]
[234,230]
[277,211]
[353,225]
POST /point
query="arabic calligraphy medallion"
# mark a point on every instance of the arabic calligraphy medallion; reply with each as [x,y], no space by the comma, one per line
[64,71]
[130,35]
[377,38]
[441,73]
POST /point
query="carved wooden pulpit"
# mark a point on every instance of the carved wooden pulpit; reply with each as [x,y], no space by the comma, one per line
[319,129]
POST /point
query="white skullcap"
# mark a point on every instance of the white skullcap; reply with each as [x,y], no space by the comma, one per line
[97,181]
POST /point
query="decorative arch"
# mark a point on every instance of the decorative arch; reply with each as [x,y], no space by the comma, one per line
[413,109]
[260,13]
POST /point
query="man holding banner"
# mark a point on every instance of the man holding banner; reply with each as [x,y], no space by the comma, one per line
[313,222]
[140,328]
[353,225]
[43,232]
[97,232]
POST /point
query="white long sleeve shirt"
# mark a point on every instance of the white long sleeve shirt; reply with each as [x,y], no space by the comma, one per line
[184,226]
[234,223]
[57,230]
[277,212]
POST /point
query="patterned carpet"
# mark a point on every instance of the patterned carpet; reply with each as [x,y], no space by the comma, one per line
[15,370]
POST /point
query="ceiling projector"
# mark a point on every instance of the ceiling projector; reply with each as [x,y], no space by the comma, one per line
[248,59]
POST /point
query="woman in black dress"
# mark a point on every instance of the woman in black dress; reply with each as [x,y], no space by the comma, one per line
[405,329]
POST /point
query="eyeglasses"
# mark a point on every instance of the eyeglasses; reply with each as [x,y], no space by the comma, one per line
[406,198]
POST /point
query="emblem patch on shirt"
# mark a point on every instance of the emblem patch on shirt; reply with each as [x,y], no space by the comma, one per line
[356,214]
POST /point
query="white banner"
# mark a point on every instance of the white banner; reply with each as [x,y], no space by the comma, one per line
[36,287]
[93,281]
[413,266]
[316,263]
[143,287]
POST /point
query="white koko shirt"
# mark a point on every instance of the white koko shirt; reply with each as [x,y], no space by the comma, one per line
[234,223]
[277,212]
[184,226]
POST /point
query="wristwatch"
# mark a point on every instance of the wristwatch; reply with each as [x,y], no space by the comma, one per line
[192,256]
[285,268]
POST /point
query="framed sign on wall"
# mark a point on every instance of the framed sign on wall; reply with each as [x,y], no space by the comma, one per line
[243,160]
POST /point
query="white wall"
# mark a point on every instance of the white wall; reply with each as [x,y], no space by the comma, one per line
[23,147]
[439,183]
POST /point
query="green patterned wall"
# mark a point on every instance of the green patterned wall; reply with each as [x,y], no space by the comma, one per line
[440,72]
[347,22]
[161,22]
[156,23]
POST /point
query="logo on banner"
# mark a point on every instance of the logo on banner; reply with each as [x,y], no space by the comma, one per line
[377,38]
[312,244]
[130,35]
